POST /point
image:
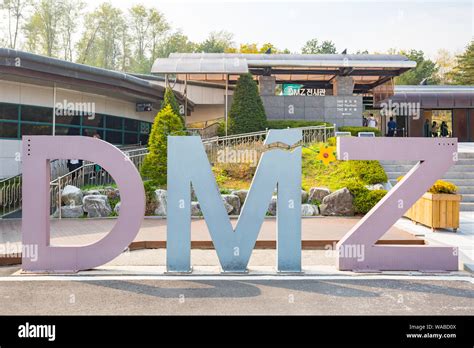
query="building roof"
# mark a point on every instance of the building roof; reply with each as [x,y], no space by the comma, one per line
[31,68]
[312,70]
[435,97]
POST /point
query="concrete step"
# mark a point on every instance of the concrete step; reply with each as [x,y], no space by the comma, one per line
[466,190]
[467,206]
[468,198]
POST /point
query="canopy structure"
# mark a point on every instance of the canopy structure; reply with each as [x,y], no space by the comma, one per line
[311,70]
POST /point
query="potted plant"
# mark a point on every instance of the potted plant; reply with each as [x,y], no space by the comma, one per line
[437,208]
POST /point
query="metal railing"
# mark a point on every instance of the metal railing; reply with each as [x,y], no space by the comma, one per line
[89,174]
[254,141]
[10,195]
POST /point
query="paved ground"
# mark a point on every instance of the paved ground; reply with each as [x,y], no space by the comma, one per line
[193,297]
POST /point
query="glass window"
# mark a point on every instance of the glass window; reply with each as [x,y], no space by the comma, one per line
[8,112]
[131,138]
[143,139]
[36,129]
[145,127]
[88,132]
[9,130]
[131,125]
[113,137]
[67,131]
[444,124]
[96,120]
[113,122]
[65,119]
[36,114]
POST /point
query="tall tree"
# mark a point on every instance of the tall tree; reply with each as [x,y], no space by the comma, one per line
[68,26]
[463,72]
[43,27]
[314,47]
[147,27]
[217,42]
[426,70]
[102,41]
[445,61]
[175,42]
[15,10]
[247,113]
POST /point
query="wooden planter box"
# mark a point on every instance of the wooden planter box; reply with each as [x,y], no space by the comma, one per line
[439,210]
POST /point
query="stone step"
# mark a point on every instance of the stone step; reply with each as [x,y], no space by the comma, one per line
[467,206]
[458,168]
[468,198]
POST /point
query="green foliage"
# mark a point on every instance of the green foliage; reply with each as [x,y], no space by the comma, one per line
[332,141]
[282,124]
[425,69]
[355,130]
[365,199]
[463,72]
[247,113]
[155,163]
[217,42]
[313,47]
[150,203]
[170,99]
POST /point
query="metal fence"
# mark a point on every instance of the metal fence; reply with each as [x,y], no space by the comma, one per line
[89,174]
[254,141]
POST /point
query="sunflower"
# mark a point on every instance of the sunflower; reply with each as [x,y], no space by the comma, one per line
[327,154]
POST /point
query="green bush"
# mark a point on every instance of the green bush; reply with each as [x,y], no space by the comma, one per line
[170,99]
[155,163]
[150,203]
[282,124]
[364,199]
[355,130]
[247,113]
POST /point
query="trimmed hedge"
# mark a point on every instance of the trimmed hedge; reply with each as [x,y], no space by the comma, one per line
[364,199]
[282,124]
[355,130]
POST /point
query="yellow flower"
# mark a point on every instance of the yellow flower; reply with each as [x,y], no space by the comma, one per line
[327,154]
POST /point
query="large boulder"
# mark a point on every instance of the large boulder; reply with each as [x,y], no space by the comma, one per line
[234,202]
[318,193]
[71,195]
[117,208]
[242,194]
[195,209]
[304,196]
[96,206]
[338,203]
[70,211]
[272,207]
[161,198]
[309,210]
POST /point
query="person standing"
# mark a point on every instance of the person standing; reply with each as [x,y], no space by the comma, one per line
[427,129]
[434,129]
[392,127]
[372,122]
[444,129]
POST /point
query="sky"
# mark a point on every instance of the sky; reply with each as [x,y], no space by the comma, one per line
[356,25]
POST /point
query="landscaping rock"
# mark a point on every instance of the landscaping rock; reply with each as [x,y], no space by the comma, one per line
[338,203]
[91,192]
[272,207]
[242,194]
[375,187]
[234,202]
[117,208]
[304,196]
[387,186]
[70,211]
[71,196]
[318,193]
[161,198]
[96,206]
[309,210]
[195,209]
